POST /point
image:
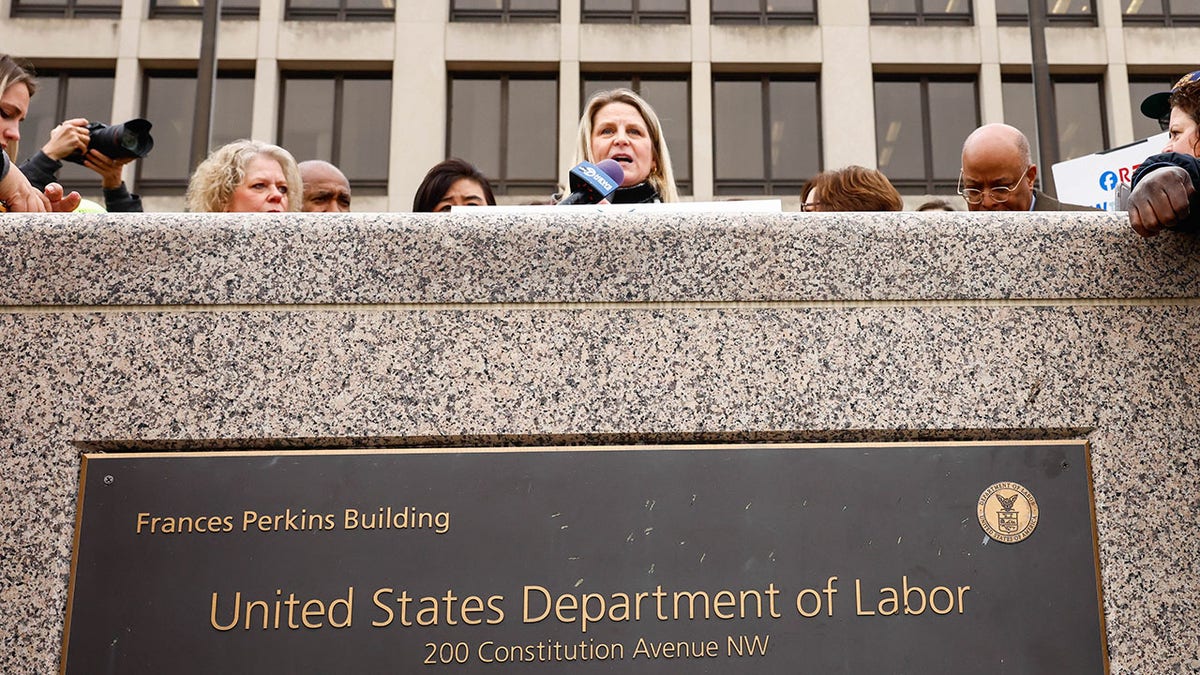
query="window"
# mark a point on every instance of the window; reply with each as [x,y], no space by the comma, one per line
[921,12]
[1079,109]
[67,8]
[1139,89]
[671,98]
[507,125]
[341,10]
[1070,12]
[504,10]
[764,12]
[343,119]
[169,102]
[1162,12]
[920,124]
[766,134]
[636,11]
[193,9]
[61,96]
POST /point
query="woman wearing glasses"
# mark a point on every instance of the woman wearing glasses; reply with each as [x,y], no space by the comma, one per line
[853,188]
[1165,194]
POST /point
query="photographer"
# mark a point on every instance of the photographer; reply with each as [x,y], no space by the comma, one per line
[73,136]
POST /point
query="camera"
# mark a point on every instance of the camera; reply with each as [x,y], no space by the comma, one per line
[118,141]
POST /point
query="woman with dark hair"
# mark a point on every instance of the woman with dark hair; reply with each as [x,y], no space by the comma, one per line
[454,182]
[853,188]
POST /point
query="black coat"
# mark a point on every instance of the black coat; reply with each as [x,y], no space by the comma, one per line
[1189,164]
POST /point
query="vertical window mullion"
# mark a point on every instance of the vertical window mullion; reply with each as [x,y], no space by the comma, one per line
[60,107]
[927,132]
[335,152]
[503,168]
[768,178]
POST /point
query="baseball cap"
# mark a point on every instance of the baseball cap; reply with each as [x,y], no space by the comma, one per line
[1156,106]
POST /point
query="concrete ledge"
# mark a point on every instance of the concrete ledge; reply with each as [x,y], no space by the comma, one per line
[174,259]
[200,332]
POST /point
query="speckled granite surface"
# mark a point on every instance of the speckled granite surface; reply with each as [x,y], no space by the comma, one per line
[185,331]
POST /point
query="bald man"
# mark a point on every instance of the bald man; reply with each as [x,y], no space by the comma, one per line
[998,173]
[325,187]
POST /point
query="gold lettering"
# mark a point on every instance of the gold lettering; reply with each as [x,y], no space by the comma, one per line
[390,614]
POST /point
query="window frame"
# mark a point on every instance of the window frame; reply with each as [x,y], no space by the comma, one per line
[635,80]
[921,17]
[1055,80]
[227,12]
[930,184]
[768,185]
[341,13]
[365,186]
[506,14]
[1163,82]
[763,16]
[1167,19]
[635,16]
[69,9]
[502,185]
[1092,19]
[171,186]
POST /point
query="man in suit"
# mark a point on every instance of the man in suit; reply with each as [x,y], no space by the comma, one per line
[998,173]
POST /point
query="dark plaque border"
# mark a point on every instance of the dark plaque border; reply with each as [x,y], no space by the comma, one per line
[589,524]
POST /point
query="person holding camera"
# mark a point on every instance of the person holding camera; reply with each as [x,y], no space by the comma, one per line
[68,140]
[72,138]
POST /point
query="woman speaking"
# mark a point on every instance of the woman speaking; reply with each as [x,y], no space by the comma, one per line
[620,125]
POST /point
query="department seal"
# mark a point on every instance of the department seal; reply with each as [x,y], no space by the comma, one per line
[1007,512]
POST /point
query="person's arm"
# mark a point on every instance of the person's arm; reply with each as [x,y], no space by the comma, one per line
[17,194]
[1164,194]
[41,170]
[69,137]
[117,197]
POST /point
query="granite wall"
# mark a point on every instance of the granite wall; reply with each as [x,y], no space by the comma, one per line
[169,331]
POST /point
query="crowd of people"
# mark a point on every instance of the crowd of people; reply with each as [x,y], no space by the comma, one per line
[998,172]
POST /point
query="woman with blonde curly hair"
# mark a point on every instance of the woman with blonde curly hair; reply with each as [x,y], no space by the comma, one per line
[620,125]
[246,177]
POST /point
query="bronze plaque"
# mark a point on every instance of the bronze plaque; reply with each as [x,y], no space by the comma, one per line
[897,558]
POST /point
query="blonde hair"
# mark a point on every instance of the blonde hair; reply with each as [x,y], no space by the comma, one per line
[212,184]
[662,177]
[12,73]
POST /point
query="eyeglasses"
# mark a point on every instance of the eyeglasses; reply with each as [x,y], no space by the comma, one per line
[1000,193]
[810,206]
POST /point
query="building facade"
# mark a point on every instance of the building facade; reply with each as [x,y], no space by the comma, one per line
[755,95]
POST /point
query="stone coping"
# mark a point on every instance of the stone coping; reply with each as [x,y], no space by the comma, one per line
[398,258]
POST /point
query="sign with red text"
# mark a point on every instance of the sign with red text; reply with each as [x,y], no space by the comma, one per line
[1092,179]
[917,558]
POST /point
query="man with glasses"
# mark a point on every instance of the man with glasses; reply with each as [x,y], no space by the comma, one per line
[998,173]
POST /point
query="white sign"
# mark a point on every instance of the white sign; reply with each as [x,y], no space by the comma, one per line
[1091,180]
[738,206]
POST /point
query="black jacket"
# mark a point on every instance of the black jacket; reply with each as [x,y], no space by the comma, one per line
[642,193]
[42,171]
[1185,162]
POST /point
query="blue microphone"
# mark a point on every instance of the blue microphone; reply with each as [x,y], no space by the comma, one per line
[591,183]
